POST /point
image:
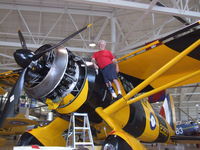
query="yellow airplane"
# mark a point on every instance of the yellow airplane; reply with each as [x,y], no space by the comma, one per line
[2,141]
[66,84]
[7,79]
[14,125]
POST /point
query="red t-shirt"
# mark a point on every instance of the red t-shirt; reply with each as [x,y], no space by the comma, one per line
[103,58]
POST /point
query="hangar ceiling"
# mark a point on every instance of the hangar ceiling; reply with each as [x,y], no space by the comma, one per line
[124,24]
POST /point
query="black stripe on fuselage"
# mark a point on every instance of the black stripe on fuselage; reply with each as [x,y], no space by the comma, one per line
[98,96]
[163,130]
[137,120]
[181,43]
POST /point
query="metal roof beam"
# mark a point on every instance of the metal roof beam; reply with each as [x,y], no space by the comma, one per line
[55,10]
[35,46]
[141,18]
[26,25]
[11,64]
[140,6]
[76,27]
[4,18]
[101,30]
[52,27]
[7,56]
[113,34]
[9,68]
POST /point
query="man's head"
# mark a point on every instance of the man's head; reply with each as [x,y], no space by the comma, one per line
[102,44]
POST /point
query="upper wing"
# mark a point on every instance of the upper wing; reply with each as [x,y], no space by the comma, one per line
[7,79]
[142,63]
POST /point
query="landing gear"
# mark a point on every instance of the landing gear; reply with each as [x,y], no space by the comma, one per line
[28,139]
[114,142]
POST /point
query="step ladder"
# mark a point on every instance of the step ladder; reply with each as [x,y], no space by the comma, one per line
[83,131]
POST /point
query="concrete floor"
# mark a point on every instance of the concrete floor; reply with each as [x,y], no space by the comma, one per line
[8,145]
[10,142]
[172,147]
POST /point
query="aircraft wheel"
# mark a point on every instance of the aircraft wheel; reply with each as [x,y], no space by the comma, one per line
[28,139]
[114,142]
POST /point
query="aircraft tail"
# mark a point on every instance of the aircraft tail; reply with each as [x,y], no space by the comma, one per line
[168,111]
[157,97]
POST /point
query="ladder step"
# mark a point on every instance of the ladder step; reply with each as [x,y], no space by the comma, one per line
[84,131]
[80,128]
[80,114]
[83,143]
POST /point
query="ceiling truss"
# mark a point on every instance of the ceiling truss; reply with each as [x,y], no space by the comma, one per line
[110,21]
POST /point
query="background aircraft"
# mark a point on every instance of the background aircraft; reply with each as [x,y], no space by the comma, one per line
[17,124]
[191,128]
[7,79]
[66,84]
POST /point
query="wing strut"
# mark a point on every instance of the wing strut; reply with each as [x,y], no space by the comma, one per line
[123,101]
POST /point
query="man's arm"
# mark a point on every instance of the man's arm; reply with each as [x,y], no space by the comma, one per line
[116,64]
[94,63]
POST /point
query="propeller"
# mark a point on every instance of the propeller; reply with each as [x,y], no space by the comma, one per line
[24,58]
[37,56]
[11,106]
[22,41]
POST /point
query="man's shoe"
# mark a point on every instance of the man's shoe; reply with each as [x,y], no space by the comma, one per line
[119,96]
[115,99]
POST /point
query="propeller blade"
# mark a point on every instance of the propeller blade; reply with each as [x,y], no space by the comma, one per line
[22,41]
[37,56]
[10,109]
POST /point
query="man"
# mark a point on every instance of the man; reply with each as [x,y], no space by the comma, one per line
[107,63]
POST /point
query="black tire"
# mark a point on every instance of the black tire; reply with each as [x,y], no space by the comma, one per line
[114,142]
[28,139]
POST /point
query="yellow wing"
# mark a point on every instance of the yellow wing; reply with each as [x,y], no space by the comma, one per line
[7,79]
[2,141]
[16,125]
[142,63]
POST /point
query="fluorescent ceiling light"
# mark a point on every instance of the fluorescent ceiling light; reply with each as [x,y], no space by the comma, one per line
[92,44]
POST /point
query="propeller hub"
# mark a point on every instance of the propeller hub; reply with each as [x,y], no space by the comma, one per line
[23,57]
